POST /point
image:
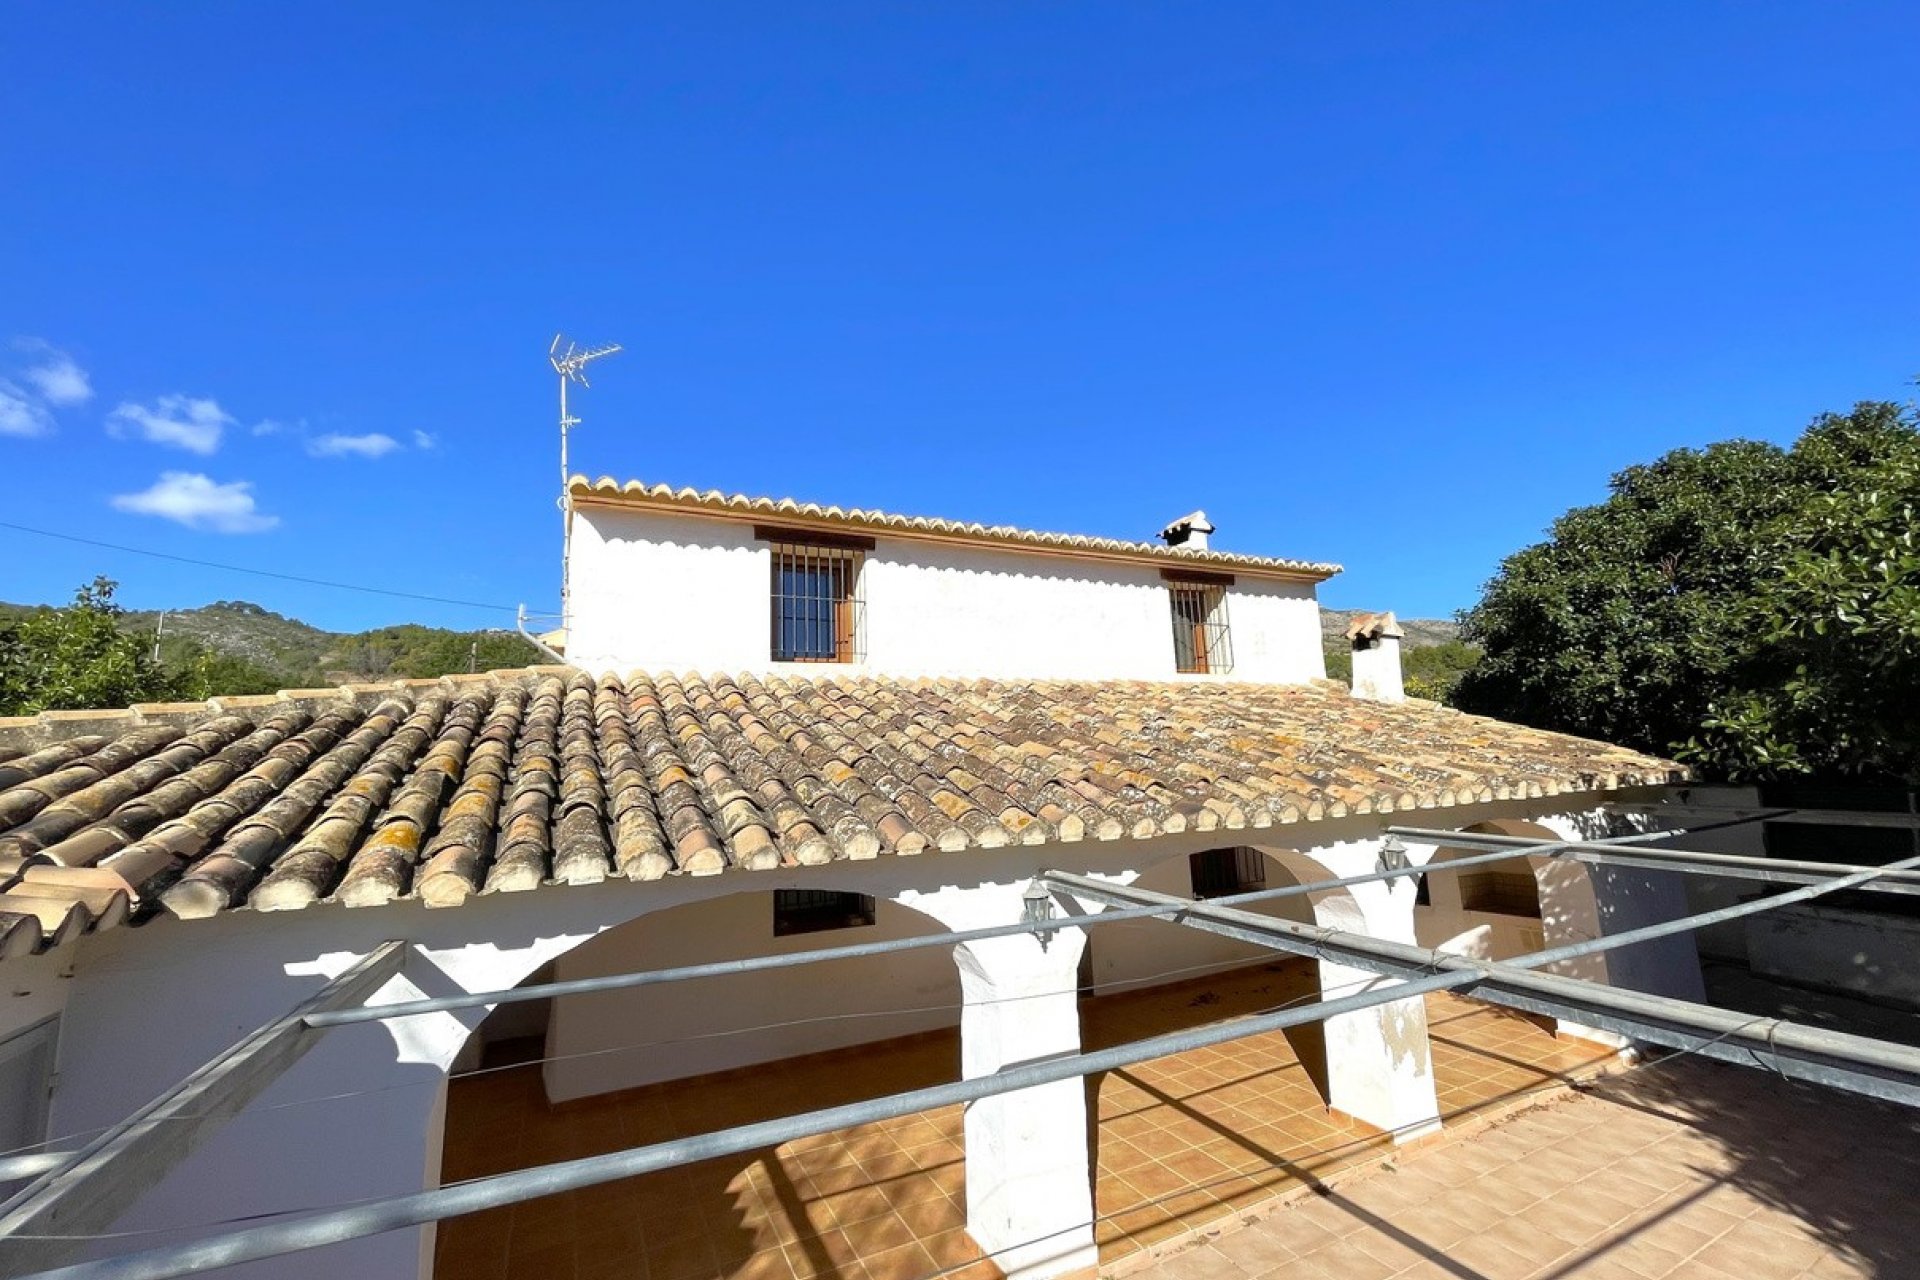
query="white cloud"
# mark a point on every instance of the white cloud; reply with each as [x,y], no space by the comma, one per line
[421,440]
[21,414]
[268,427]
[335,445]
[59,380]
[183,421]
[191,499]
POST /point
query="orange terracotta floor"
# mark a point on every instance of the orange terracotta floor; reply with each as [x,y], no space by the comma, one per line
[1181,1141]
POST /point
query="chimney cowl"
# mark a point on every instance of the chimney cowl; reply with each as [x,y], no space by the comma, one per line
[1188,532]
[1368,627]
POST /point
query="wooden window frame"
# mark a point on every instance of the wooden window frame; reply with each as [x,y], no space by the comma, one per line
[1197,607]
[843,557]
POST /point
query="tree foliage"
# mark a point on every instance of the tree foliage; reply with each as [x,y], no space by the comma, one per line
[1428,671]
[416,652]
[92,654]
[1752,609]
[77,657]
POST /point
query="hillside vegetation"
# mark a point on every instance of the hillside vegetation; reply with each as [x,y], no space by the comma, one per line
[297,654]
[92,653]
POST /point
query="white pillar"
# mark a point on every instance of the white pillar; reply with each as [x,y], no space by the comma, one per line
[1029,1182]
[1379,1060]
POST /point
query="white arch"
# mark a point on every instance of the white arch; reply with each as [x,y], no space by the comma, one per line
[1470,912]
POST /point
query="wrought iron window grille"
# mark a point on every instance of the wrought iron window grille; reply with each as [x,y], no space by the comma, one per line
[1201,643]
[1216,873]
[818,910]
[819,606]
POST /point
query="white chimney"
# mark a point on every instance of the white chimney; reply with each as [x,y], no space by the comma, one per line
[1189,532]
[1375,638]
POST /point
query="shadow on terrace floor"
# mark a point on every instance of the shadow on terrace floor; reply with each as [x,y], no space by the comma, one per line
[1843,1167]
[1181,1141]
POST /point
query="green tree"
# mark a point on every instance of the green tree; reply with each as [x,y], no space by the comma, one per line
[54,659]
[199,672]
[1718,605]
[1432,670]
[1429,671]
[1832,684]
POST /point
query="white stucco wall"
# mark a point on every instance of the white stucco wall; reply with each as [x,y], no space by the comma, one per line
[1133,954]
[700,1022]
[1444,922]
[677,593]
[1862,953]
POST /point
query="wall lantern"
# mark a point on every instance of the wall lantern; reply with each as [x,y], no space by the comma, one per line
[1393,855]
[1036,907]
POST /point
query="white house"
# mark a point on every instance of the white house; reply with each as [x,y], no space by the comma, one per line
[669,580]
[919,719]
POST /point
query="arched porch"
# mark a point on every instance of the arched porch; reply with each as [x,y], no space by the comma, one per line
[588,1074]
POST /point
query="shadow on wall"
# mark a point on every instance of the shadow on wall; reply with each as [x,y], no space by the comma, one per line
[644,1035]
[1504,909]
[1135,956]
[1811,1152]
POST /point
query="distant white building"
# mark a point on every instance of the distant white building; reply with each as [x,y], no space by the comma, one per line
[675,580]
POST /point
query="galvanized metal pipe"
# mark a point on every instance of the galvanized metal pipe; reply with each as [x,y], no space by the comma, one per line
[335,1226]
[1789,870]
[892,946]
[1853,1062]
[88,1189]
[29,1166]
[1745,813]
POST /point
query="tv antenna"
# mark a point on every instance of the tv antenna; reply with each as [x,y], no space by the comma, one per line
[571,365]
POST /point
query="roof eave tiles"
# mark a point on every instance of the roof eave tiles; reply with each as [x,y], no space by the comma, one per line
[440,790]
[714,502]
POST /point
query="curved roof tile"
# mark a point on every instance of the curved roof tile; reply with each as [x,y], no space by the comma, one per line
[440,790]
[712,500]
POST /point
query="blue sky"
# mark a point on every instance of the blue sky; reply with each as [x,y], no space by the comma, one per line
[1392,285]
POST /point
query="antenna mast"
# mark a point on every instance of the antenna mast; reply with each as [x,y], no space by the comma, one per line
[571,365]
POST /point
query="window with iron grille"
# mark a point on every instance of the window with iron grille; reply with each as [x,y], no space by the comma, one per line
[1219,872]
[819,610]
[817,910]
[1200,642]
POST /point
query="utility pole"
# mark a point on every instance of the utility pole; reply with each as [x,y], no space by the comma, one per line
[158,627]
[571,365]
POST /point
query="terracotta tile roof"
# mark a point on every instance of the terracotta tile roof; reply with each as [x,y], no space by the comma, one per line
[712,501]
[505,782]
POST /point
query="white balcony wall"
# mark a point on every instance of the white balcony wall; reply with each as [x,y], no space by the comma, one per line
[668,592]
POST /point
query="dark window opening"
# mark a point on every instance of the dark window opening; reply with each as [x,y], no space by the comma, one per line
[817,910]
[1219,872]
[819,614]
[1835,842]
[1423,891]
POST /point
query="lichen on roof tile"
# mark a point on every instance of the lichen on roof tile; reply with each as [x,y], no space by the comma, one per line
[440,791]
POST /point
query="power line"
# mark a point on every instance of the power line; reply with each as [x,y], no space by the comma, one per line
[258,573]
